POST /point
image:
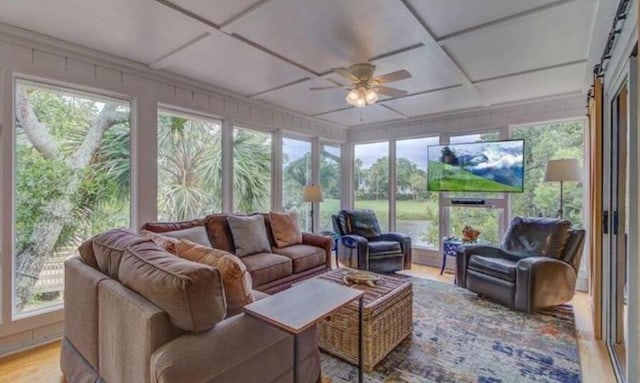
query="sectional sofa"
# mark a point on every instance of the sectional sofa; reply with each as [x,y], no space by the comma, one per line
[136,313]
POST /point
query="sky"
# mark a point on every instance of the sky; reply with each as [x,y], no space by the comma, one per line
[415,150]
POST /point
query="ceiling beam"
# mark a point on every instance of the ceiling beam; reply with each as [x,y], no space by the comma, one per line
[235,18]
[529,71]
[400,114]
[160,62]
[494,24]
[427,38]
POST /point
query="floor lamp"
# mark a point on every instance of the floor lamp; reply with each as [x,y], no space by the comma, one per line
[564,170]
[312,194]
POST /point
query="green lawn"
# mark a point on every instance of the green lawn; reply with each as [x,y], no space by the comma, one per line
[457,179]
[405,210]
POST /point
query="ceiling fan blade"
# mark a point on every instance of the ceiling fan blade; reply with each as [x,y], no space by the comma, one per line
[393,76]
[325,87]
[392,92]
[346,74]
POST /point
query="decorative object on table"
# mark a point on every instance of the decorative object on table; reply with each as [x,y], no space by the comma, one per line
[388,319]
[363,246]
[312,194]
[449,249]
[359,277]
[563,170]
[459,337]
[469,234]
[535,253]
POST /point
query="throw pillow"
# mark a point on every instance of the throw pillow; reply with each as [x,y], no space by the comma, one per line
[249,234]
[285,229]
[235,276]
[197,234]
[167,243]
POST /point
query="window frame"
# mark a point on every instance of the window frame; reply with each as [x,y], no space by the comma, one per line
[55,311]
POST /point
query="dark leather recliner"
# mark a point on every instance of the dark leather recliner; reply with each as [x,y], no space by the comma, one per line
[363,246]
[535,267]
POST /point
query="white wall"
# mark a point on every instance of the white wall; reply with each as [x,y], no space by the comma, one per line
[24,54]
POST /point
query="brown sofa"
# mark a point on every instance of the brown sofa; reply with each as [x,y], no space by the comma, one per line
[135,313]
[270,272]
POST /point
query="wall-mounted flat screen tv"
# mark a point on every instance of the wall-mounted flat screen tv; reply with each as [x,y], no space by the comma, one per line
[492,166]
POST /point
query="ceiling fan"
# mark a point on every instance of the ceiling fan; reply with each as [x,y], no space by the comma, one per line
[365,88]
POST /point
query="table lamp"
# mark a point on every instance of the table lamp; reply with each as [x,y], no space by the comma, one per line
[312,193]
[563,170]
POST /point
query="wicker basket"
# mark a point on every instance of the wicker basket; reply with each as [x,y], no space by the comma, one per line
[388,313]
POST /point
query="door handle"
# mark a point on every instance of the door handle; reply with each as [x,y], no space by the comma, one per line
[605,222]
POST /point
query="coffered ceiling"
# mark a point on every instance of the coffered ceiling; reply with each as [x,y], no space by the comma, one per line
[462,53]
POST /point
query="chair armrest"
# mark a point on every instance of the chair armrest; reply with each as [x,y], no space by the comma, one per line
[405,244]
[465,252]
[347,245]
[543,282]
[320,241]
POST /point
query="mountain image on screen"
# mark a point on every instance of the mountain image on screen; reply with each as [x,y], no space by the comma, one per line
[477,167]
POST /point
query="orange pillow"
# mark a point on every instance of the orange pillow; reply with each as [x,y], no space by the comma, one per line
[167,243]
[285,229]
[235,276]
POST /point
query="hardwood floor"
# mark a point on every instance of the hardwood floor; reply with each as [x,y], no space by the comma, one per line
[42,364]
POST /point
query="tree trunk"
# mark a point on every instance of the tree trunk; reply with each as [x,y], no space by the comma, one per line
[30,261]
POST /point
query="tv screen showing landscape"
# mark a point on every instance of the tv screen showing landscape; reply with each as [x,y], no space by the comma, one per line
[495,166]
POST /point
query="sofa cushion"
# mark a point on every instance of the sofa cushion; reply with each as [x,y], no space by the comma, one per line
[285,229]
[109,247]
[267,267]
[537,236]
[249,234]
[191,293]
[220,233]
[235,276]
[500,268]
[304,257]
[362,222]
[167,243]
[197,234]
[384,247]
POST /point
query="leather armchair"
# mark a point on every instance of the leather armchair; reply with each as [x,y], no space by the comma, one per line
[535,267]
[363,246]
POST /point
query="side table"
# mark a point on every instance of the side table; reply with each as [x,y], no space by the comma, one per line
[296,309]
[449,249]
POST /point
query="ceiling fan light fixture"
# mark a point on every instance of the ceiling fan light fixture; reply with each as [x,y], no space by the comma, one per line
[371,96]
[352,97]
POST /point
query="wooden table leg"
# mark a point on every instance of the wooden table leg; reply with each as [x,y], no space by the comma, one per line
[361,339]
[296,378]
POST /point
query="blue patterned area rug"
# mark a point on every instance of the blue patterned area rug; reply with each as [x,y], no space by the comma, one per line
[459,337]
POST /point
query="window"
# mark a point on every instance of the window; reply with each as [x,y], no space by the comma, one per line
[72,180]
[371,178]
[189,166]
[544,143]
[417,209]
[251,170]
[296,173]
[330,184]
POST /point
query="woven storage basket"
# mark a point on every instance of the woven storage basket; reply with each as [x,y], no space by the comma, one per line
[388,314]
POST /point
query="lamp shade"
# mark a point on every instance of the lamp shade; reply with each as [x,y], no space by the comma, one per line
[312,193]
[563,170]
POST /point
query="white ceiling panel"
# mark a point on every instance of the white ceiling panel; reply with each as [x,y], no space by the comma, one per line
[225,62]
[299,97]
[137,30]
[533,85]
[556,36]
[357,116]
[445,17]
[216,11]
[440,101]
[330,33]
[426,70]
